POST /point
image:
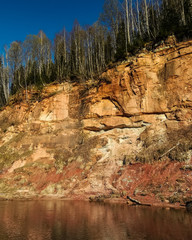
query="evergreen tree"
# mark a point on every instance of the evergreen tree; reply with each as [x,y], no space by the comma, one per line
[121,43]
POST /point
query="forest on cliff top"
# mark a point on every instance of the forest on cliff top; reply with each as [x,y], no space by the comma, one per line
[123,29]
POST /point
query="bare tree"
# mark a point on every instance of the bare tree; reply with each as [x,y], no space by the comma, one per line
[183,19]
[60,54]
[127,25]
[4,81]
[15,59]
[138,18]
[146,16]
[111,16]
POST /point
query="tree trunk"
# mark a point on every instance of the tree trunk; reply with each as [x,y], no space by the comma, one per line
[127,24]
[138,19]
[182,12]
[146,17]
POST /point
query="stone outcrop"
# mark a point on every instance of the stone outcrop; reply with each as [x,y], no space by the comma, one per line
[129,133]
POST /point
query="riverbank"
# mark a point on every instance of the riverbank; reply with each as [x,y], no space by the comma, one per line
[95,199]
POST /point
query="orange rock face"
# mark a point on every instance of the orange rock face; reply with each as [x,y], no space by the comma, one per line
[128,134]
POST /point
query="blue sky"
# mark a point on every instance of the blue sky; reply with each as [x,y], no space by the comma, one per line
[18,18]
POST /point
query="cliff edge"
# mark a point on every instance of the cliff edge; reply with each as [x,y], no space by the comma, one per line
[129,134]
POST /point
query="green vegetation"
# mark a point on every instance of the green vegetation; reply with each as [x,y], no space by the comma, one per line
[7,157]
[62,157]
[9,154]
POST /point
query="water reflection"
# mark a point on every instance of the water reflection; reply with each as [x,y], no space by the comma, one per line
[68,220]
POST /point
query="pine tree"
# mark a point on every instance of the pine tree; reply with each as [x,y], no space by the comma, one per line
[121,43]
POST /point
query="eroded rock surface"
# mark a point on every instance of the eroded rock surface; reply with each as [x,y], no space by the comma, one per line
[128,134]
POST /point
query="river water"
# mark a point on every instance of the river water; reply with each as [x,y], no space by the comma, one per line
[73,220]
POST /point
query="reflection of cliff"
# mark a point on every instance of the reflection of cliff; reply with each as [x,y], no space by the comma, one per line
[81,220]
[101,137]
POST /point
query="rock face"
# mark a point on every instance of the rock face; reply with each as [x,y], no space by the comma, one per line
[128,134]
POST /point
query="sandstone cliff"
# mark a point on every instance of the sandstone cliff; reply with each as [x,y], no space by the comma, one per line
[128,134]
